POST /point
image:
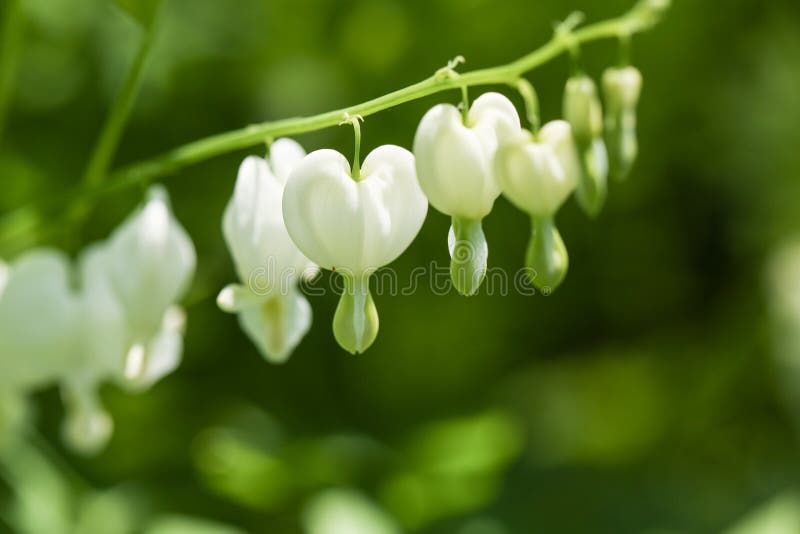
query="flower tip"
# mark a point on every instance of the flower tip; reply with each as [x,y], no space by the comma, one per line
[226,300]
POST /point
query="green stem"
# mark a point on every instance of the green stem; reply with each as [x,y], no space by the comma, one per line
[635,21]
[644,15]
[107,143]
[465,105]
[356,168]
[531,99]
[11,34]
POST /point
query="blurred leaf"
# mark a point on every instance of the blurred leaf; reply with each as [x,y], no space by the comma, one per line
[143,11]
[105,512]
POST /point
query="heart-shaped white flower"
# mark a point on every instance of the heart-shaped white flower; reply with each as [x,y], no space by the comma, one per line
[354,225]
[273,313]
[455,170]
[537,174]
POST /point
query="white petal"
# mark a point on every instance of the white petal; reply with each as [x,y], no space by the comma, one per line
[284,155]
[104,333]
[147,363]
[454,161]
[394,205]
[236,297]
[266,258]
[533,175]
[354,226]
[451,165]
[277,325]
[151,262]
[322,210]
[38,320]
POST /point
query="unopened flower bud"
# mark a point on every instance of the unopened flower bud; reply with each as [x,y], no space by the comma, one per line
[621,88]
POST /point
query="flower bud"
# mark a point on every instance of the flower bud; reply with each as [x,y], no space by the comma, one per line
[455,170]
[354,227]
[582,109]
[584,113]
[546,258]
[273,314]
[621,88]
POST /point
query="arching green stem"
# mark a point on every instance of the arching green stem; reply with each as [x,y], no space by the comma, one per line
[531,99]
[355,323]
[546,258]
[469,253]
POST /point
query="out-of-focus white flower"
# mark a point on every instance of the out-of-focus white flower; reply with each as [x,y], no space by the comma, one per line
[272,312]
[39,318]
[354,225]
[150,263]
[454,163]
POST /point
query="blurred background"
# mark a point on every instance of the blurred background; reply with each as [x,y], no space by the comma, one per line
[657,391]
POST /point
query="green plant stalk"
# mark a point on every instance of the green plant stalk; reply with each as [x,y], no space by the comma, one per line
[640,18]
[11,33]
[108,141]
[644,15]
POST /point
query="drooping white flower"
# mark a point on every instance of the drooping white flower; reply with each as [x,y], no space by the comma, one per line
[583,111]
[354,225]
[150,263]
[537,174]
[101,345]
[272,312]
[39,318]
[454,160]
[621,88]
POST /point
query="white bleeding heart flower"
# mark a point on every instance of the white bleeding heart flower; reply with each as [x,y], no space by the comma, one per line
[354,225]
[621,88]
[39,319]
[583,111]
[150,263]
[102,339]
[455,170]
[537,174]
[271,310]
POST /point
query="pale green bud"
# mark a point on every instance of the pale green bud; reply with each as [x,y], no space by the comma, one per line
[469,254]
[582,109]
[621,88]
[546,259]
[355,323]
